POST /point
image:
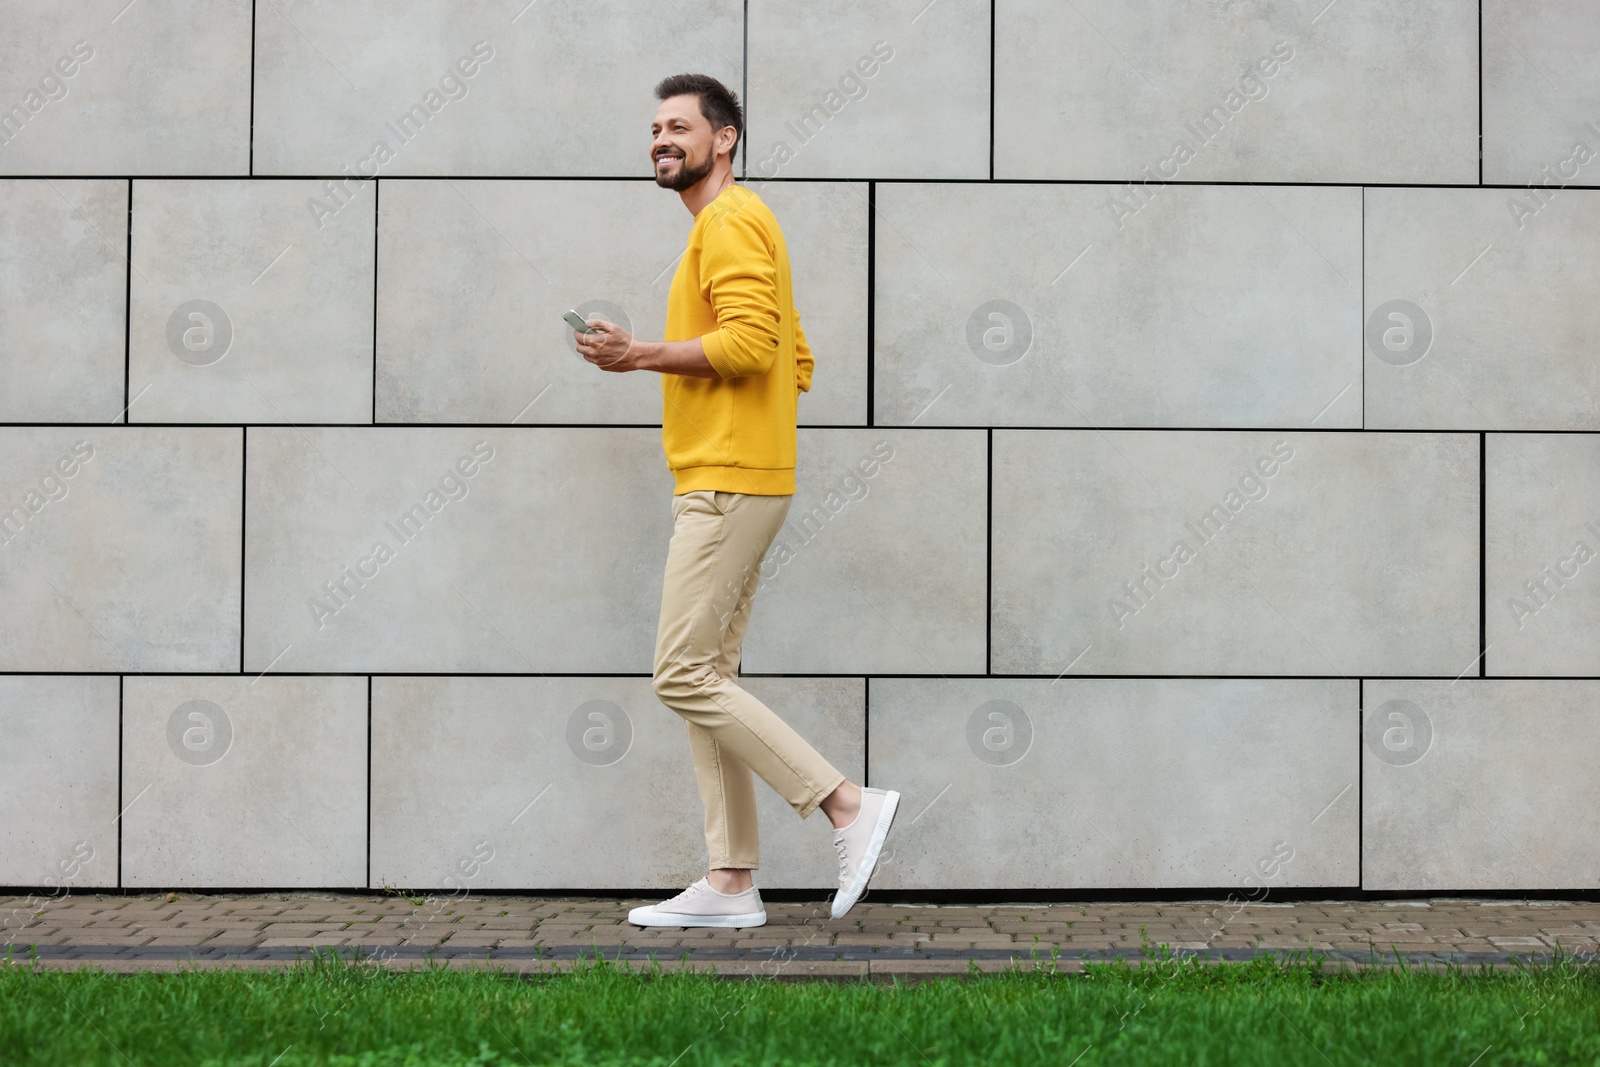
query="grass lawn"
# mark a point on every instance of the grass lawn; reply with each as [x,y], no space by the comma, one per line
[1166,1012]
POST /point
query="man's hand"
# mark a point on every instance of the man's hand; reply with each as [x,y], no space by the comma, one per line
[613,348]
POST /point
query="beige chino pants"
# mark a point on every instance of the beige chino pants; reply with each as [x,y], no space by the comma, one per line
[713,569]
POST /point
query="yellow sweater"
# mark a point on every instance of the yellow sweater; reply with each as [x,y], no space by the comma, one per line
[735,433]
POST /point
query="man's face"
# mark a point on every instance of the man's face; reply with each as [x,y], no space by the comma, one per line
[681,146]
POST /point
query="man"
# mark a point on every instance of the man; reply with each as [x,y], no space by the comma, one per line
[733,366]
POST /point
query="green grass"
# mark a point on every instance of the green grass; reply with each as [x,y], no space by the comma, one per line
[1166,1011]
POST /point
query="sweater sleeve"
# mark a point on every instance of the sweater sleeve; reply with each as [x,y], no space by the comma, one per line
[802,356]
[740,278]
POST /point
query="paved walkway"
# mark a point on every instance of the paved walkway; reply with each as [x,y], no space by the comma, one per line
[149,932]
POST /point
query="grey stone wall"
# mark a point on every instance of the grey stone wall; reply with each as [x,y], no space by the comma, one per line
[1200,487]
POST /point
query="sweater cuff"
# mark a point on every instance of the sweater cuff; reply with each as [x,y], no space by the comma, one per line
[712,343]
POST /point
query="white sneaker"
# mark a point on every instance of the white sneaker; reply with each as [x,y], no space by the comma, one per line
[860,844]
[700,905]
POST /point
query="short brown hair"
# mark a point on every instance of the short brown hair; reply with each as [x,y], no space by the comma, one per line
[717,102]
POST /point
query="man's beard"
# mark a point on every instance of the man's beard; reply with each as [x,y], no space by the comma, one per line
[685,176]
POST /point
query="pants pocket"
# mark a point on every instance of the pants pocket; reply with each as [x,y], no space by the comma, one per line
[704,497]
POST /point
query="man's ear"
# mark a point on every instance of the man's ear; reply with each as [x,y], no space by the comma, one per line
[725,141]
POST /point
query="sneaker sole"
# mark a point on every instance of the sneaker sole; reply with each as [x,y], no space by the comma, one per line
[844,901]
[647,917]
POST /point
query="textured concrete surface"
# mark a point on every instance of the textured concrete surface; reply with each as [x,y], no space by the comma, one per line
[1029,783]
[1480,784]
[1301,552]
[119,548]
[847,586]
[62,287]
[477,277]
[1542,565]
[113,91]
[1082,305]
[476,88]
[1505,323]
[842,90]
[466,582]
[1105,91]
[248,308]
[58,778]
[483,533]
[1541,77]
[507,783]
[244,781]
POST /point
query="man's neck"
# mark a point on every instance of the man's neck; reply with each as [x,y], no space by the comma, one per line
[707,189]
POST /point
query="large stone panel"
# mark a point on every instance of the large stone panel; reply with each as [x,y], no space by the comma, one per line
[879,566]
[125,89]
[1541,93]
[63,282]
[244,782]
[1139,784]
[1480,784]
[119,548]
[1088,305]
[475,277]
[58,784]
[1346,93]
[561,783]
[1542,577]
[1482,316]
[549,555]
[1296,552]
[248,305]
[476,88]
[845,90]
[505,549]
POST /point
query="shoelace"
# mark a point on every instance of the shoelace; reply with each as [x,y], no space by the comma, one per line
[844,858]
[692,891]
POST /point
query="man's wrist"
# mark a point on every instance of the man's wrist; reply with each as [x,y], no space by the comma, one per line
[646,355]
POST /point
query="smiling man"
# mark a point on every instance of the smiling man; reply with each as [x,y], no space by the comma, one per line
[733,366]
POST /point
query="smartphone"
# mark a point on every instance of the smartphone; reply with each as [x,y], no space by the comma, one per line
[575,320]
